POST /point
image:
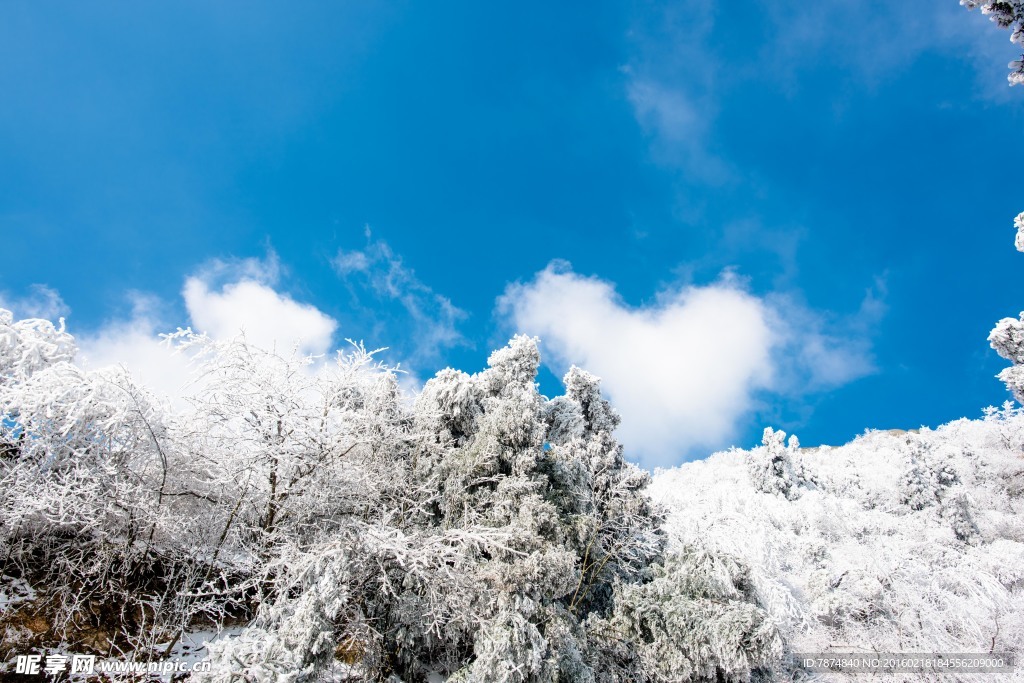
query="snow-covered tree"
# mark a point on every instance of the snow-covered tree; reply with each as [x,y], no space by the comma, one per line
[86,500]
[771,466]
[30,345]
[698,620]
[927,479]
[516,524]
[616,526]
[482,531]
[1007,338]
[510,557]
[850,563]
[961,519]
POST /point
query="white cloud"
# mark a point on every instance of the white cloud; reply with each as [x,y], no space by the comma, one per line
[268,318]
[685,370]
[135,344]
[223,299]
[40,302]
[227,298]
[667,111]
[819,350]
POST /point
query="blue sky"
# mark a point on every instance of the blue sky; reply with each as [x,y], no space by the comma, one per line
[796,214]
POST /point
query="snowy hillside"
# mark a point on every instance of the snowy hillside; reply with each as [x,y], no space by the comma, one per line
[896,542]
[481,532]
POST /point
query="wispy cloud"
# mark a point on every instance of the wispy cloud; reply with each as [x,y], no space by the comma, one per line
[377,273]
[821,350]
[872,41]
[670,85]
[685,370]
[679,126]
[40,301]
[678,78]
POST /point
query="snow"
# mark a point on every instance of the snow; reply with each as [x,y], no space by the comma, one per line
[191,646]
[14,592]
[897,542]
[484,531]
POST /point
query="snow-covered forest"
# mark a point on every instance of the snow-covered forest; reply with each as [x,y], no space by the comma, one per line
[896,542]
[480,531]
[324,524]
[290,517]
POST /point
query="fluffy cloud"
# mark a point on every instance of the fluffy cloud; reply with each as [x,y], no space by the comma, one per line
[268,318]
[227,298]
[134,343]
[685,370]
[223,299]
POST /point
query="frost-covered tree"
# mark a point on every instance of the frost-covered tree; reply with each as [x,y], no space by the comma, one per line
[771,466]
[927,479]
[86,495]
[1007,338]
[512,559]
[482,531]
[111,501]
[616,526]
[521,514]
[961,519]
[697,620]
[27,346]
[849,564]
[917,488]
[1007,14]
